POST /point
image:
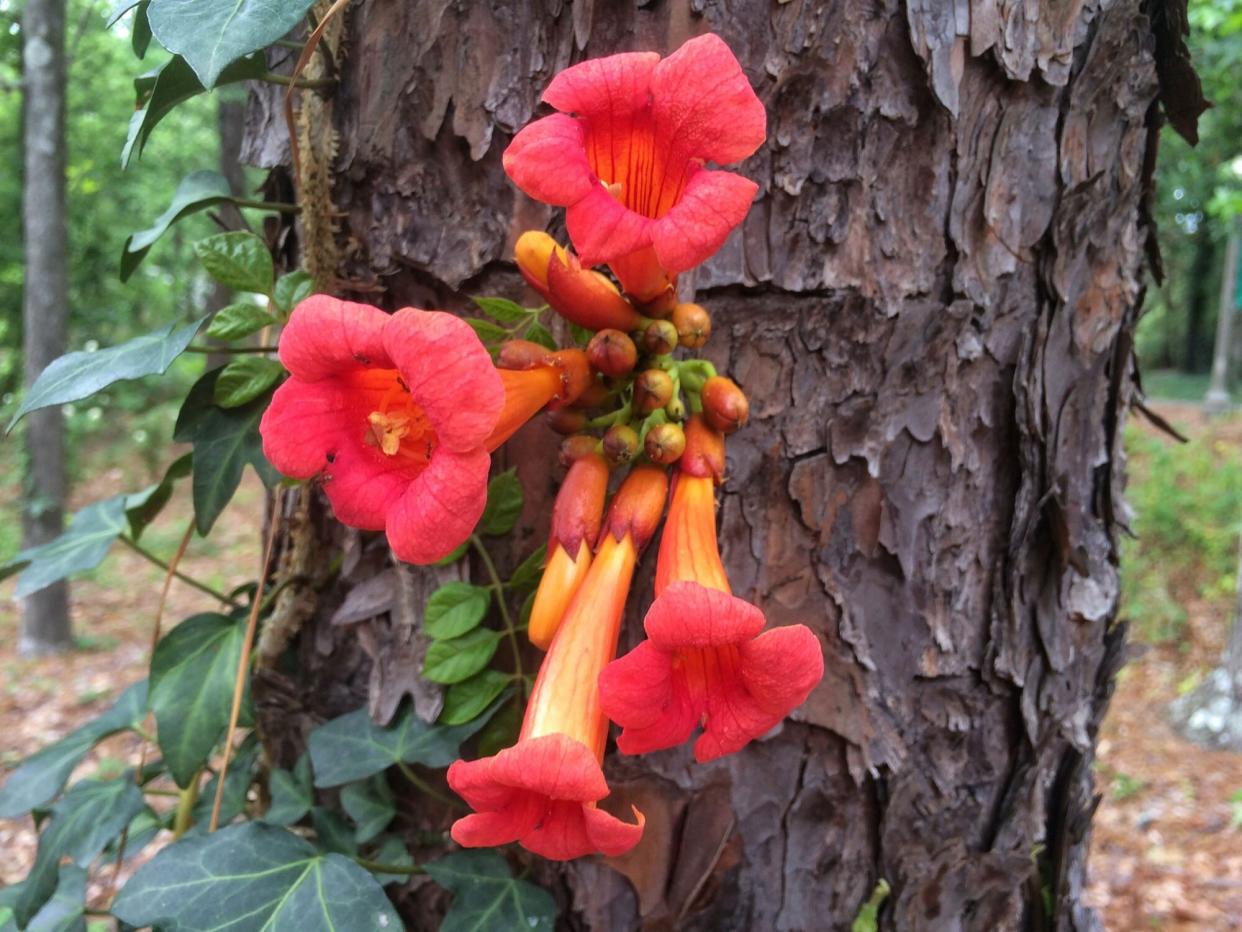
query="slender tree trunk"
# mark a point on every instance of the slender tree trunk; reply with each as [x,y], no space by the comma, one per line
[45,614]
[931,306]
[1217,400]
[1198,302]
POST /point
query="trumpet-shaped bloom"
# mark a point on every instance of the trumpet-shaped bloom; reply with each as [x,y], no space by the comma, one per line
[625,156]
[393,414]
[706,660]
[533,377]
[542,792]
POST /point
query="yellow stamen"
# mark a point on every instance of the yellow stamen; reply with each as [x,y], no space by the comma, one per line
[387,430]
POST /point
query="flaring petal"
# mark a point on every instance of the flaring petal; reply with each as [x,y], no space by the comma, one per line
[687,615]
[326,336]
[712,205]
[438,509]
[303,424]
[602,228]
[782,666]
[547,160]
[362,484]
[616,85]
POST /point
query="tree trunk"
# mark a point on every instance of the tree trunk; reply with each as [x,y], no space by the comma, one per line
[45,614]
[1198,304]
[931,306]
[1217,400]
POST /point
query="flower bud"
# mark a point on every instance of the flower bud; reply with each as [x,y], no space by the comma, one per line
[704,453]
[637,507]
[533,252]
[661,305]
[566,421]
[594,395]
[665,443]
[724,405]
[521,355]
[575,447]
[585,297]
[612,353]
[693,323]
[660,338]
[620,444]
[653,389]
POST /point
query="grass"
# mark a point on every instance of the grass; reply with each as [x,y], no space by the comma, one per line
[1171,385]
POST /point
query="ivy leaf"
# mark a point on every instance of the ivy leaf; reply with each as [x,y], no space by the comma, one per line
[465,701]
[502,309]
[487,896]
[237,260]
[211,34]
[332,832]
[200,883]
[504,504]
[192,674]
[245,379]
[75,376]
[66,910]
[142,507]
[292,289]
[236,786]
[41,776]
[393,853]
[370,804]
[455,659]
[353,748]
[526,577]
[291,793]
[86,818]
[197,191]
[239,320]
[487,331]
[82,547]
[140,30]
[455,608]
[502,728]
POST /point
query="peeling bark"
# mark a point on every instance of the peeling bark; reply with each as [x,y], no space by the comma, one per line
[931,307]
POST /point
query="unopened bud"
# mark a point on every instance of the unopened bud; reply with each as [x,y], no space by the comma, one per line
[522,354]
[566,421]
[587,298]
[594,395]
[693,323]
[665,443]
[660,337]
[637,507]
[661,304]
[533,252]
[653,389]
[575,447]
[724,404]
[704,454]
[620,444]
[612,353]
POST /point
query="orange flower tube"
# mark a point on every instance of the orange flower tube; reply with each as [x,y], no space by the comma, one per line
[533,377]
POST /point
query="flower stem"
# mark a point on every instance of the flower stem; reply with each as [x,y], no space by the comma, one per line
[188,580]
[510,627]
[620,416]
[425,787]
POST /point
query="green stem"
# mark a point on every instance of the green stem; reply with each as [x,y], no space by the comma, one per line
[424,786]
[230,350]
[188,580]
[377,868]
[279,206]
[499,586]
[271,77]
[148,791]
[185,807]
[620,416]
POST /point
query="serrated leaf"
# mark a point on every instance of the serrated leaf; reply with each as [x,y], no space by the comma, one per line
[526,577]
[197,191]
[198,885]
[290,792]
[237,260]
[370,804]
[455,659]
[142,507]
[353,748]
[502,309]
[192,673]
[486,895]
[487,331]
[239,320]
[291,289]
[211,34]
[82,547]
[455,608]
[538,333]
[465,701]
[245,379]
[41,776]
[75,376]
[504,504]
[85,819]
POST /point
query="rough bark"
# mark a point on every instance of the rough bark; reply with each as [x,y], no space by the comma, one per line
[45,624]
[931,307]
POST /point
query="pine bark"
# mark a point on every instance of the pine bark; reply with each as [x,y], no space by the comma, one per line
[931,306]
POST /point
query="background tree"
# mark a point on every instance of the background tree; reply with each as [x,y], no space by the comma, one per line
[932,306]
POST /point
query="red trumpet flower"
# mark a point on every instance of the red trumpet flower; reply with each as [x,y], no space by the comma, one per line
[625,155]
[393,413]
[542,792]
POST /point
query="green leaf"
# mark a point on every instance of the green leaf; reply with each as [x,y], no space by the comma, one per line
[487,331]
[237,260]
[236,786]
[197,191]
[239,320]
[453,660]
[119,9]
[457,553]
[211,34]
[486,895]
[290,792]
[538,333]
[502,309]
[526,577]
[141,831]
[225,440]
[82,547]
[502,728]
[332,832]
[504,504]
[140,30]
[370,804]
[245,379]
[86,818]
[291,289]
[465,701]
[393,853]
[79,375]
[192,674]
[352,748]
[142,507]
[41,776]
[455,608]
[249,877]
[582,335]
[65,911]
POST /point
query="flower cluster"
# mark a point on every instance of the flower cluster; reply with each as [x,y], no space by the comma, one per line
[398,415]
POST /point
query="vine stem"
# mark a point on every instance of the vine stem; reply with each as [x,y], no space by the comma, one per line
[378,868]
[230,350]
[239,682]
[510,627]
[279,207]
[425,787]
[270,77]
[172,570]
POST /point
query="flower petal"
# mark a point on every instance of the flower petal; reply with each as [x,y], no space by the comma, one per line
[713,203]
[326,336]
[693,616]
[782,666]
[548,161]
[611,835]
[439,509]
[304,423]
[603,229]
[613,86]
[449,375]
[647,696]
[362,483]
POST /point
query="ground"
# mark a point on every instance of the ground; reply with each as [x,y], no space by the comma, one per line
[1167,843]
